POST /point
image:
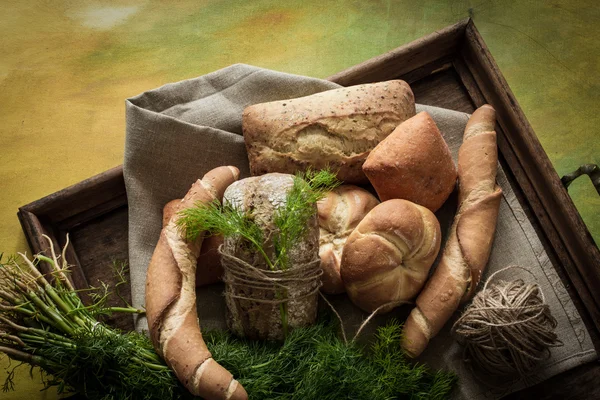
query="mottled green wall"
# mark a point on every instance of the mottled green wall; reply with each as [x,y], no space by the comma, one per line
[67,66]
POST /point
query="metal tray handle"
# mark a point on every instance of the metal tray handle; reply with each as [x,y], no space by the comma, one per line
[592,170]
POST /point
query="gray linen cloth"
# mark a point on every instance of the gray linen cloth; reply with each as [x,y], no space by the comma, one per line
[178,132]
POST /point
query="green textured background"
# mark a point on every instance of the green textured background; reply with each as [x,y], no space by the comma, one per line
[67,67]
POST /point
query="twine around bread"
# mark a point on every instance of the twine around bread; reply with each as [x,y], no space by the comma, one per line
[238,273]
[264,303]
[507,329]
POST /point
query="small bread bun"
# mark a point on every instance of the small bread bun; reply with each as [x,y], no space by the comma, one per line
[387,257]
[413,163]
[339,213]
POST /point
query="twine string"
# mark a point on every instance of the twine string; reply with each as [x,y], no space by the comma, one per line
[374,313]
[298,282]
[338,317]
[507,328]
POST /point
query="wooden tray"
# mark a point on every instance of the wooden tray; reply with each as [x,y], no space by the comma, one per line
[451,68]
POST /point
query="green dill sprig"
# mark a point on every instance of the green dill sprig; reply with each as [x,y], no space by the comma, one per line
[221,219]
[292,219]
[44,324]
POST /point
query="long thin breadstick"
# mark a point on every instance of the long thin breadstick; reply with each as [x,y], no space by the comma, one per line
[469,244]
[171,300]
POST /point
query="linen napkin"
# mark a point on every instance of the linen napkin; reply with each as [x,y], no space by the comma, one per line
[178,132]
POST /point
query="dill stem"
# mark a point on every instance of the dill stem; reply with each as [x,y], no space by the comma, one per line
[131,310]
[23,356]
[42,340]
[9,297]
[150,365]
[48,289]
[20,308]
[44,333]
[62,305]
[15,339]
[150,356]
[59,322]
[260,249]
[263,364]
[36,335]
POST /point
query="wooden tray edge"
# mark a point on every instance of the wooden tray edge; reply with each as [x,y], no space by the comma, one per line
[553,207]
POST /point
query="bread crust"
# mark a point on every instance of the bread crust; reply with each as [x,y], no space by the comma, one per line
[171,299]
[336,128]
[388,256]
[471,236]
[339,212]
[261,197]
[209,269]
[413,163]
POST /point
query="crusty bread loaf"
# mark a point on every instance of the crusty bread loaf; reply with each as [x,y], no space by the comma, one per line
[339,213]
[171,300]
[468,247]
[336,128]
[209,269]
[413,163]
[388,256]
[248,315]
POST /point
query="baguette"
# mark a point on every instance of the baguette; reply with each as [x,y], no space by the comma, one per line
[469,245]
[336,128]
[171,300]
[209,269]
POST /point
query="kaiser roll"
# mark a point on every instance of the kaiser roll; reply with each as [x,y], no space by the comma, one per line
[387,257]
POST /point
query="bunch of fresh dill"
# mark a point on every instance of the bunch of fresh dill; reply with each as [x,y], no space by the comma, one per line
[314,363]
[291,220]
[44,323]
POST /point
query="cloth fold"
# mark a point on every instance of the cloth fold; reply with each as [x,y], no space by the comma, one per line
[180,131]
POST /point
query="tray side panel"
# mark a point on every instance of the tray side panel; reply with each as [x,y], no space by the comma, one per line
[530,165]
[100,243]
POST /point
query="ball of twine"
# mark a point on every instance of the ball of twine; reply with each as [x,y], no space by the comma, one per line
[507,329]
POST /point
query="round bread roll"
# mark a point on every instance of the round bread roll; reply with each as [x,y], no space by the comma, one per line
[413,163]
[339,213]
[388,256]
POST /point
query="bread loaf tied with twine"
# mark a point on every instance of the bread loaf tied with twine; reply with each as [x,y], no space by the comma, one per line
[262,302]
